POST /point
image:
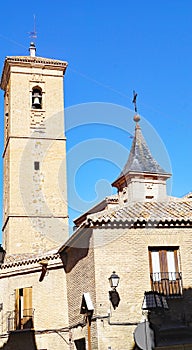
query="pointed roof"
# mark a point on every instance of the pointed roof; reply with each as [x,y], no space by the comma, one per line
[140,158]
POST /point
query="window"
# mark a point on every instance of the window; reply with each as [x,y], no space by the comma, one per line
[149,197]
[37,98]
[36,165]
[165,270]
[23,308]
[80,344]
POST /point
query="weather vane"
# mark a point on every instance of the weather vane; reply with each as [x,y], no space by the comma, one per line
[135,100]
[33,34]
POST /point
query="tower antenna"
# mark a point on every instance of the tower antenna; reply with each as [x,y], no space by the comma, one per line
[33,34]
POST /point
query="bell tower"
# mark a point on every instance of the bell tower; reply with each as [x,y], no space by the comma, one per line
[35,217]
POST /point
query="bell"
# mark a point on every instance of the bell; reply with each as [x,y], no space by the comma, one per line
[37,102]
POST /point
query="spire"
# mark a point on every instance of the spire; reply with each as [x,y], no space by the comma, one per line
[141,168]
[140,158]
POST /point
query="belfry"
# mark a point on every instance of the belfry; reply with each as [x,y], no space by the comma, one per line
[35,198]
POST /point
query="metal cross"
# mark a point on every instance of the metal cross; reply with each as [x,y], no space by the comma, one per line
[135,100]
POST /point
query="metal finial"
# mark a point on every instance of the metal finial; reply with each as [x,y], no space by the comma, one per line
[135,100]
[33,34]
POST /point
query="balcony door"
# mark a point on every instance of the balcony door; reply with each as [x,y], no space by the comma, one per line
[23,308]
[165,270]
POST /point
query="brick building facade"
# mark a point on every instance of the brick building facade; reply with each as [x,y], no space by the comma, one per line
[145,237]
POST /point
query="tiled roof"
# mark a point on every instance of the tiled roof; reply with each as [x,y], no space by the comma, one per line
[170,210]
[109,200]
[27,259]
[36,59]
[188,196]
[140,159]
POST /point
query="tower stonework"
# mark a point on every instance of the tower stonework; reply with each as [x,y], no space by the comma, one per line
[35,193]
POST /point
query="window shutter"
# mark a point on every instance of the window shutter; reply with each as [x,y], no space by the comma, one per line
[17,318]
[150,261]
[163,261]
[27,312]
[176,260]
[27,295]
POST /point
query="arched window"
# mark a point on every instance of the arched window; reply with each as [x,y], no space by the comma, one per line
[36,98]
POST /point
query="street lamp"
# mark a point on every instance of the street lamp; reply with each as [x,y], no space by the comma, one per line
[2,255]
[114,280]
[113,294]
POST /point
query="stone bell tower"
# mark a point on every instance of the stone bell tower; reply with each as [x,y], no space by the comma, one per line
[35,190]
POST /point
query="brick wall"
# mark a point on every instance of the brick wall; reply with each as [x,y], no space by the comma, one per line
[125,251]
[49,301]
[79,266]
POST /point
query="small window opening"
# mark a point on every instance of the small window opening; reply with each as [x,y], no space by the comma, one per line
[80,344]
[36,165]
[37,98]
[149,197]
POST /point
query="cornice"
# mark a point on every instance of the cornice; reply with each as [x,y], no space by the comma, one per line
[28,61]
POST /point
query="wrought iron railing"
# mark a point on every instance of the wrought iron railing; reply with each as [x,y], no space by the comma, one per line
[20,320]
[167,283]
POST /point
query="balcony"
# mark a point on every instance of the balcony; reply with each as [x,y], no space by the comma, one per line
[21,320]
[167,283]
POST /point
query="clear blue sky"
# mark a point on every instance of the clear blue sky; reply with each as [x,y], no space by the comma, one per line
[112,48]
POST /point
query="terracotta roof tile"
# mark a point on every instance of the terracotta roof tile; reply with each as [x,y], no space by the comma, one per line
[26,259]
[171,210]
